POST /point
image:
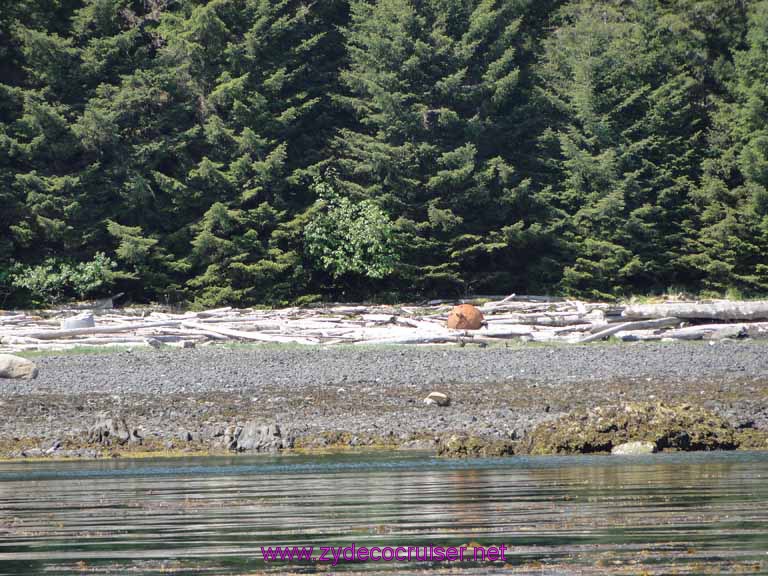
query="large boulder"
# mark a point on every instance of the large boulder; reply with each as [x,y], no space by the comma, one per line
[257,438]
[465,317]
[16,367]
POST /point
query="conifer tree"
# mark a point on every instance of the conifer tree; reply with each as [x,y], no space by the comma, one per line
[434,87]
[598,148]
[629,91]
[732,201]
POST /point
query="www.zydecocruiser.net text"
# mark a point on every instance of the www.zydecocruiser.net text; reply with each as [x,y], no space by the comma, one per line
[333,555]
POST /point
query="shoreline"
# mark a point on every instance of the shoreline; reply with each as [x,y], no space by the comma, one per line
[288,453]
[185,402]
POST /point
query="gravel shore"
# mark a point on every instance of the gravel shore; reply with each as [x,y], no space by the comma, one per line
[186,399]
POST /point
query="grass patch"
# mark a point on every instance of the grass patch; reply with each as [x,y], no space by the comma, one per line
[80,350]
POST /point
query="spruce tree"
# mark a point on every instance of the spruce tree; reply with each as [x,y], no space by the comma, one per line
[629,88]
[434,88]
[732,200]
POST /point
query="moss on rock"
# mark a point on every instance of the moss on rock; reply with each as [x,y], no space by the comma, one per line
[681,427]
[472,446]
[752,439]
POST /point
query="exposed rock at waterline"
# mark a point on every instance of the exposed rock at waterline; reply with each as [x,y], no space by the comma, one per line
[15,367]
[471,446]
[752,439]
[682,427]
[112,431]
[634,449]
[257,438]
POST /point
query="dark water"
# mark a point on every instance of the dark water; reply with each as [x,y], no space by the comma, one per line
[686,513]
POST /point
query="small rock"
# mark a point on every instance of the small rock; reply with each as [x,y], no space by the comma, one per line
[154,342]
[634,448]
[17,368]
[187,344]
[437,398]
[55,445]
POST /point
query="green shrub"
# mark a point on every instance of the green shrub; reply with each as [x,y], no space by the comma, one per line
[346,237]
[55,280]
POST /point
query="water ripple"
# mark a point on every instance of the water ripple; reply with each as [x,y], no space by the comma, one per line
[690,513]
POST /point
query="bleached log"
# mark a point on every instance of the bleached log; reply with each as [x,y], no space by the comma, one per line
[350,310]
[15,340]
[188,332]
[104,341]
[584,328]
[55,345]
[14,319]
[757,310]
[422,324]
[60,334]
[504,331]
[426,339]
[544,336]
[15,322]
[378,318]
[520,307]
[215,312]
[534,298]
[492,305]
[255,336]
[229,319]
[641,325]
[551,319]
[639,335]
[708,332]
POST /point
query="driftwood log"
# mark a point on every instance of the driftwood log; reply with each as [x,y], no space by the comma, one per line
[642,325]
[709,332]
[59,334]
[510,318]
[699,311]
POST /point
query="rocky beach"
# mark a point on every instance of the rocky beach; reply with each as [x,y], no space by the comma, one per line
[501,400]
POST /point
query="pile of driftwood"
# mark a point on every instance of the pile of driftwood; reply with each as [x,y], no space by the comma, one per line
[522,318]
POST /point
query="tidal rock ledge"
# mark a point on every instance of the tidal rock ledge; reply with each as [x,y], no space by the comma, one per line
[257,438]
[673,428]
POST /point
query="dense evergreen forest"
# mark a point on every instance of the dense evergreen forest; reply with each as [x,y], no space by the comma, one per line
[274,151]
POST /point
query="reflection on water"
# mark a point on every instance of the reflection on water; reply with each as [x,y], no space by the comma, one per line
[701,513]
